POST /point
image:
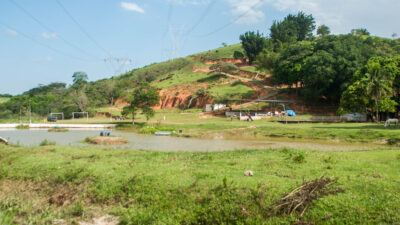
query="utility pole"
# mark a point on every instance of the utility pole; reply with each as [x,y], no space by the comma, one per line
[30,112]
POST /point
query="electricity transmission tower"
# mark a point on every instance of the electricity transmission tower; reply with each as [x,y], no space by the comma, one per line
[118,64]
[176,36]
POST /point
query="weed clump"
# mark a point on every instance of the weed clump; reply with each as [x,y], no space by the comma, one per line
[22,127]
[45,142]
[58,129]
[393,141]
[77,210]
[299,158]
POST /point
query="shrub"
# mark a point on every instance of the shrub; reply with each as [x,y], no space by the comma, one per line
[77,209]
[393,141]
[299,158]
[21,126]
[45,142]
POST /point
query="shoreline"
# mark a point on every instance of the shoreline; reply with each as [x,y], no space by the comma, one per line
[47,126]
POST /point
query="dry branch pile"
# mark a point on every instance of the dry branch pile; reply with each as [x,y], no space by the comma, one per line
[300,198]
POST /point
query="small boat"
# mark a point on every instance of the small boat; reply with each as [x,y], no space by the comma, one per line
[163,133]
[4,140]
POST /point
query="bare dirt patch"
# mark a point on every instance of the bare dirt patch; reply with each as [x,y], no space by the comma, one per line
[103,220]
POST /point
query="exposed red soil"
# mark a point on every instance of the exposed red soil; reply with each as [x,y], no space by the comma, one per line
[180,96]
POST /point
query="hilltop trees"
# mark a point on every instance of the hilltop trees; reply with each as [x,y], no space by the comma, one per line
[292,28]
[324,67]
[79,79]
[323,30]
[253,43]
[360,32]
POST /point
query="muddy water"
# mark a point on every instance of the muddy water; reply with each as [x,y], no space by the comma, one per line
[165,143]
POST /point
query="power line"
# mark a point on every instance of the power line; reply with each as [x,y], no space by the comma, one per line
[201,18]
[90,37]
[234,21]
[83,29]
[198,22]
[40,43]
[50,30]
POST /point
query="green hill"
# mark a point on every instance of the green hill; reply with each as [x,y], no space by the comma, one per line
[182,79]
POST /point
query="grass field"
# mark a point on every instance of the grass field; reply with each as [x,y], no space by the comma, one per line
[223,52]
[196,124]
[41,185]
[3,99]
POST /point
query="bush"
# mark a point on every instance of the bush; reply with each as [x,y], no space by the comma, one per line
[77,210]
[45,142]
[224,67]
[21,126]
[148,130]
[238,55]
[299,158]
[393,141]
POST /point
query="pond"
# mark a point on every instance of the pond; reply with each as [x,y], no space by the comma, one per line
[74,137]
[135,141]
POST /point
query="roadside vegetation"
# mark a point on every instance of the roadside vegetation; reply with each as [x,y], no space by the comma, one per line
[41,185]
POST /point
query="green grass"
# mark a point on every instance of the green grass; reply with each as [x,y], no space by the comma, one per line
[220,53]
[144,187]
[250,69]
[196,125]
[114,111]
[236,90]
[186,77]
[3,99]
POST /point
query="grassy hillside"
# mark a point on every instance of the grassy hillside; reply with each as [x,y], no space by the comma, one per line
[185,76]
[41,185]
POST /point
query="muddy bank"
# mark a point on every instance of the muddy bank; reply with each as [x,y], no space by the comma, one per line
[106,141]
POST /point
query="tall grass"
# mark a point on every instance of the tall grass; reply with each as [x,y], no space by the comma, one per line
[145,187]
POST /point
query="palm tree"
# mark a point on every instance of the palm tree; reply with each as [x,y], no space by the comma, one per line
[378,84]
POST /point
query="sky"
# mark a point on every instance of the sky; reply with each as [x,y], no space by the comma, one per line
[44,41]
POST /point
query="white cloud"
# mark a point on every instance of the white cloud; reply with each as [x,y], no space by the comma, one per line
[379,17]
[11,33]
[130,6]
[45,59]
[247,11]
[50,35]
[190,2]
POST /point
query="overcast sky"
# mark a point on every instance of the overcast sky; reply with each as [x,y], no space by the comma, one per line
[45,41]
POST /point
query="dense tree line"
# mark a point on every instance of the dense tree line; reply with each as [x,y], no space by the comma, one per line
[323,66]
[81,96]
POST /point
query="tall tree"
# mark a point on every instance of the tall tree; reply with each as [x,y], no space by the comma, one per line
[323,30]
[80,99]
[374,87]
[379,83]
[360,32]
[79,79]
[143,98]
[252,43]
[293,28]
